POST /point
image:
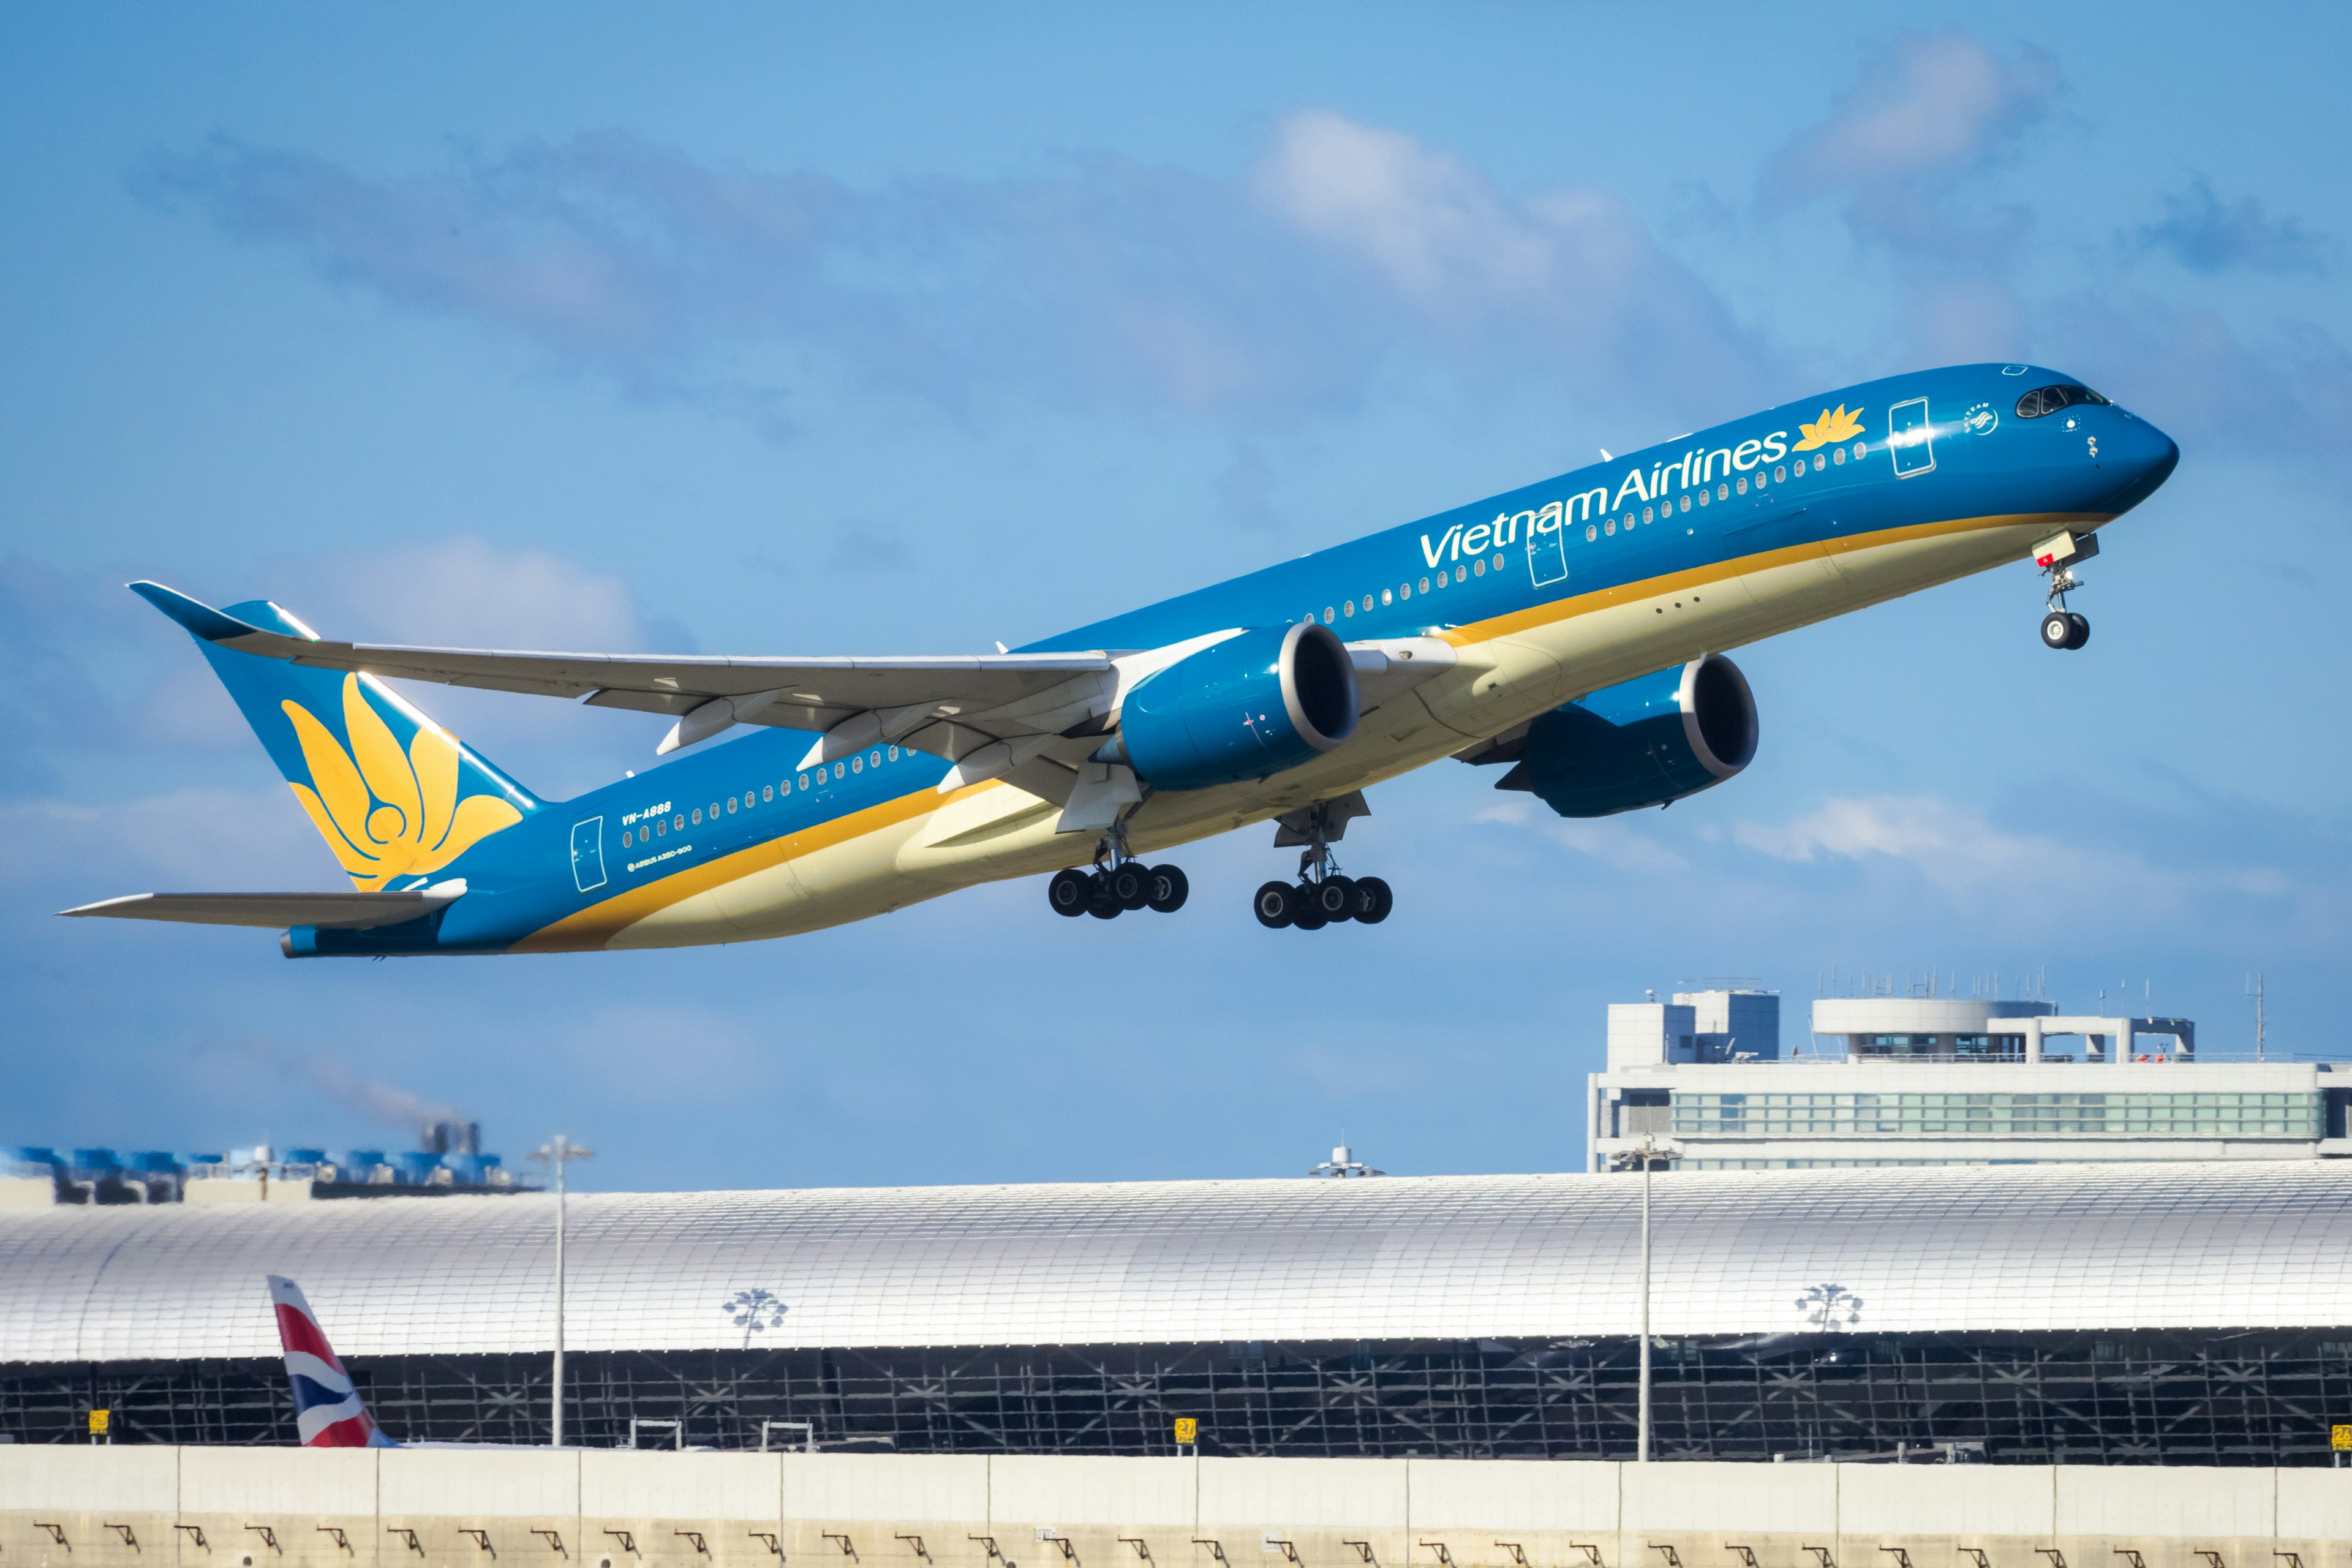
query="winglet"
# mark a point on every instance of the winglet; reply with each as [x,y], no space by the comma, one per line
[202,619]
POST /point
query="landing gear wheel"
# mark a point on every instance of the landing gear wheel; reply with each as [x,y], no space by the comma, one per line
[2081,628]
[1309,915]
[1101,902]
[1274,905]
[1333,898]
[2058,630]
[1373,901]
[1168,888]
[1130,887]
[1070,892]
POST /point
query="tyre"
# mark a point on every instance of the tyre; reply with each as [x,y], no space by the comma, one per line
[1070,892]
[1101,904]
[2057,630]
[1334,897]
[2079,627]
[1373,900]
[1130,887]
[1169,888]
[1274,905]
[1310,915]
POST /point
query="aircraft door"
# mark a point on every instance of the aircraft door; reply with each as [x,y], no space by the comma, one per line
[1910,438]
[588,854]
[1547,546]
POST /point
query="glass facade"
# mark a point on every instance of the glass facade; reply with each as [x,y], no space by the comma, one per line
[2186,1114]
[2147,1396]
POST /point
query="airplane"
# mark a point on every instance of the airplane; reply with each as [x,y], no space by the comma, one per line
[1570,631]
[328,1410]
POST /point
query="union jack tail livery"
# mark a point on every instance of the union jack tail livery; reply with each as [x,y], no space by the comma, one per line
[328,1411]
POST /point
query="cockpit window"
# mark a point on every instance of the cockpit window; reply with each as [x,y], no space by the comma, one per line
[2044,400]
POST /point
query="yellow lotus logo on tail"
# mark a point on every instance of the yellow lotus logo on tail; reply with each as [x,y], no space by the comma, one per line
[1830,428]
[390,813]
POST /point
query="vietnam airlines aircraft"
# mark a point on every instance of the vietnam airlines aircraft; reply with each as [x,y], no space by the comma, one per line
[1570,631]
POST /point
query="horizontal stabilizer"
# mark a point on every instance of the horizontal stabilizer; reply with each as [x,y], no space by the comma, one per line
[330,912]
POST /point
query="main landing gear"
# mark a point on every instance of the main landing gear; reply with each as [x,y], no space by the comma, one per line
[1321,895]
[2058,556]
[1108,891]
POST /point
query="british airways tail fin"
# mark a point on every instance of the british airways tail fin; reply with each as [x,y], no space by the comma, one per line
[399,800]
[328,1411]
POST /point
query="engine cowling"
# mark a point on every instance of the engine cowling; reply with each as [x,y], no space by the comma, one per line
[1258,703]
[1648,741]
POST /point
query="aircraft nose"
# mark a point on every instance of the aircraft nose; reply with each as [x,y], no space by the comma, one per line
[2147,457]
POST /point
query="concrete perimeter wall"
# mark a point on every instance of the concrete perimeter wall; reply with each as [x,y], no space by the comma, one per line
[64,1507]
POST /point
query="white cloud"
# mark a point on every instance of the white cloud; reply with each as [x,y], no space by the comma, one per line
[1614,841]
[1962,850]
[1928,105]
[184,841]
[467,593]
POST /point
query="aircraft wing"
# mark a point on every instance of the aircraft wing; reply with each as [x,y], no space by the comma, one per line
[342,912]
[949,706]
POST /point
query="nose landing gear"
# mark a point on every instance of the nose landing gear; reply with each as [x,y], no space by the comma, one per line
[2058,556]
[1108,891]
[1321,895]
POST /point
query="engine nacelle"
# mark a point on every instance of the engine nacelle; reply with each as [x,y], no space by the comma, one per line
[1254,704]
[1646,743]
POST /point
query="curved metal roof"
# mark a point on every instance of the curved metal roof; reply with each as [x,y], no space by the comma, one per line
[2055,1246]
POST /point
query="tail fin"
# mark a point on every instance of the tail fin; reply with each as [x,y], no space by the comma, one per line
[395,795]
[328,1411]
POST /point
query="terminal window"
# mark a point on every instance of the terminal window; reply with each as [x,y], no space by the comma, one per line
[2173,1114]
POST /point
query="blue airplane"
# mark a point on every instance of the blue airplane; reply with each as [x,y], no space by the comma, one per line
[1570,631]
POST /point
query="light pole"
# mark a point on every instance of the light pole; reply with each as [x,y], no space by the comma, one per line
[1648,1151]
[559,1151]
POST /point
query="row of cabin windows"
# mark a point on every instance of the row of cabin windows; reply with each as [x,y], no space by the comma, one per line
[1405,591]
[764,794]
[1594,531]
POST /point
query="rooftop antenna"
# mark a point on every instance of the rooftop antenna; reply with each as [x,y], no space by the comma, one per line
[2258,1015]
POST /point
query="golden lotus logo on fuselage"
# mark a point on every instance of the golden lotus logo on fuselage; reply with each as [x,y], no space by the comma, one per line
[1831,429]
[386,811]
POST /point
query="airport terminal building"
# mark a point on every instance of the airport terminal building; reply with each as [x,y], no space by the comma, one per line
[2182,1313]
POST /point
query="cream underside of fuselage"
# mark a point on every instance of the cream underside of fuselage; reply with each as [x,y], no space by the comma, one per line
[1509,670]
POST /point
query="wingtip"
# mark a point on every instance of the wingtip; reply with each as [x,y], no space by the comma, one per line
[200,619]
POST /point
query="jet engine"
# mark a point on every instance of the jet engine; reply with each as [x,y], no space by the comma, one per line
[1250,706]
[1649,742]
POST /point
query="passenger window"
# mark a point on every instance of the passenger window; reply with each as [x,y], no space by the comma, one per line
[1348,608]
[1838,456]
[1647,515]
[1368,604]
[698,816]
[1611,526]
[1461,573]
[714,811]
[1723,492]
[1820,462]
[1704,497]
[1386,598]
[858,764]
[805,781]
[893,753]
[1424,584]
[730,805]
[1591,533]
[836,771]
[662,827]
[624,839]
[1480,567]
[1743,487]
[1686,506]
[1859,451]
[767,792]
[1779,473]
[1329,615]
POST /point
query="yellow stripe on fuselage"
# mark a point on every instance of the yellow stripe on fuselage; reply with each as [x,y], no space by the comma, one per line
[597,924]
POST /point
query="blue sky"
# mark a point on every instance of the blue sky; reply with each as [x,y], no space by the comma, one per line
[792,329]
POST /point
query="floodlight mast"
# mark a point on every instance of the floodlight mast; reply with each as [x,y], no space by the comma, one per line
[559,1152]
[1648,1151]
